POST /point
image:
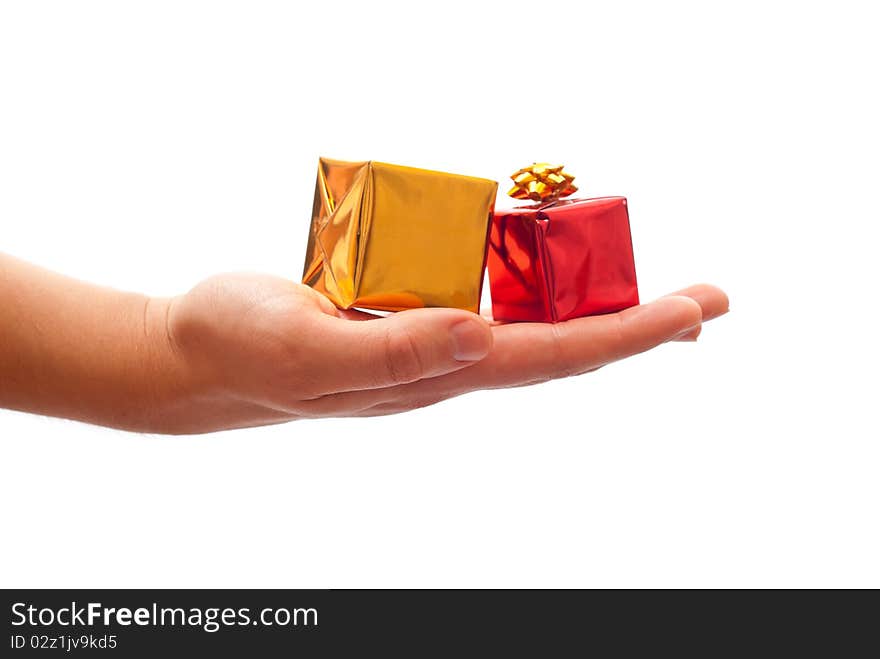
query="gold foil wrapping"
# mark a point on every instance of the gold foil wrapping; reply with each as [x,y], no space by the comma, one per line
[389,237]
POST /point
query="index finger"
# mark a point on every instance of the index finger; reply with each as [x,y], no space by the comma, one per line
[525,353]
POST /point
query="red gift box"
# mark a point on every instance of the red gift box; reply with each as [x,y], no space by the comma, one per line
[564,259]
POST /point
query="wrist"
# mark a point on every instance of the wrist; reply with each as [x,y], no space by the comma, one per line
[172,385]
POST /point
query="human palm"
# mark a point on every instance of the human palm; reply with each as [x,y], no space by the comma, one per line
[262,349]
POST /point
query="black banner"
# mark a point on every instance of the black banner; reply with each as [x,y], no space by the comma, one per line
[133,623]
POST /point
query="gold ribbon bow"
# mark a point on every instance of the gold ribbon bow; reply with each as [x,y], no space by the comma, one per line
[542,181]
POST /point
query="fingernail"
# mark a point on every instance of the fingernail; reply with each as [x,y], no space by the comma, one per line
[470,341]
[689,334]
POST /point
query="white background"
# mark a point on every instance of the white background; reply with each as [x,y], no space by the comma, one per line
[148,145]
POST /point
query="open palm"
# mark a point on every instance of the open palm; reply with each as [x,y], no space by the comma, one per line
[266,350]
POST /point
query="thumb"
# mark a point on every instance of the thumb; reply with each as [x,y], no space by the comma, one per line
[401,348]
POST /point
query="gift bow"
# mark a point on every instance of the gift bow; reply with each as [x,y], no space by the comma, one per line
[541,181]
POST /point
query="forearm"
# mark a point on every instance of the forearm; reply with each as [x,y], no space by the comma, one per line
[80,351]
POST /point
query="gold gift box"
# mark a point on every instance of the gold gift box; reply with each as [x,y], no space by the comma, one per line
[389,237]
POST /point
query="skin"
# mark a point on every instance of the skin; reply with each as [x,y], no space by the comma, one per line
[243,350]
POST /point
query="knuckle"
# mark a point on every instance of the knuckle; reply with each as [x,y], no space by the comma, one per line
[403,359]
[619,329]
[618,341]
[563,364]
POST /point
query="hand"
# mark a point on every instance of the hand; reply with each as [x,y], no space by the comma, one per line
[255,349]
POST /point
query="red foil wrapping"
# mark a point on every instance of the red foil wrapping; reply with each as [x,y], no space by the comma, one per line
[560,260]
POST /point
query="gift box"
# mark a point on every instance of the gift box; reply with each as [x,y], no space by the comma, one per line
[390,238]
[559,258]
